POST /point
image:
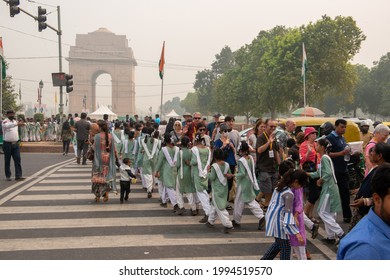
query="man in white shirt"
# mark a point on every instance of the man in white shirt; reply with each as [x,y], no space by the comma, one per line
[11,145]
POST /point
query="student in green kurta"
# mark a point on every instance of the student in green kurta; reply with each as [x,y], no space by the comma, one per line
[246,186]
[166,171]
[329,202]
[185,185]
[119,137]
[149,149]
[220,172]
[129,148]
[200,162]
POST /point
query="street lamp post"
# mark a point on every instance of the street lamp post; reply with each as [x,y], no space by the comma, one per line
[40,96]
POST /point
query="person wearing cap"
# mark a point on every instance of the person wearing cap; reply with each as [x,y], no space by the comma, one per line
[11,145]
[308,153]
[337,152]
[365,135]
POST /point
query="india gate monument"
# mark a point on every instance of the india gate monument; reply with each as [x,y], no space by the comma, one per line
[97,53]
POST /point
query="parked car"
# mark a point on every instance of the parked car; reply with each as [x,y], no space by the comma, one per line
[245,133]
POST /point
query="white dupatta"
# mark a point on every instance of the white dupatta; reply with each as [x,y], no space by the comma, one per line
[220,175]
[154,149]
[331,165]
[117,140]
[171,162]
[202,172]
[251,173]
[181,165]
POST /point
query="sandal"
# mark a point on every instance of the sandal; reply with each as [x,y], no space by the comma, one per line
[97,199]
[105,199]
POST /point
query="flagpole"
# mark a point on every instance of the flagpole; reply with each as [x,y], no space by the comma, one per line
[161,72]
[162,94]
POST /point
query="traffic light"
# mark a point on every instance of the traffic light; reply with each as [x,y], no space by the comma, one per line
[13,7]
[41,19]
[69,83]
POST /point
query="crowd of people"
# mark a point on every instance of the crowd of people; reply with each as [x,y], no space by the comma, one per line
[279,173]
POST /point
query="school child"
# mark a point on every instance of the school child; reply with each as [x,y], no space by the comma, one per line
[246,186]
[330,202]
[129,149]
[166,171]
[200,162]
[280,222]
[220,172]
[150,146]
[184,184]
[126,176]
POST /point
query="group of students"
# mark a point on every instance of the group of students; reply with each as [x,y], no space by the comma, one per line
[192,170]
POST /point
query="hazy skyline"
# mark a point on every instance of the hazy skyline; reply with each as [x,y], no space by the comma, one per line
[194,31]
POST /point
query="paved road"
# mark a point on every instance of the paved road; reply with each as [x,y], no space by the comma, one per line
[52,215]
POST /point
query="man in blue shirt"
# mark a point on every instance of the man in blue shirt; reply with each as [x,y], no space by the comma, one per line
[370,238]
[337,153]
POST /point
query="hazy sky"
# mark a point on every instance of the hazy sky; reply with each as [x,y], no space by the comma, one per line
[194,31]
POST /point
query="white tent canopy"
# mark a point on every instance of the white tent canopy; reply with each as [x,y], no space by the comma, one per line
[98,114]
[172,114]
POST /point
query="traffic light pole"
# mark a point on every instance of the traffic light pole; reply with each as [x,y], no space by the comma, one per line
[59,33]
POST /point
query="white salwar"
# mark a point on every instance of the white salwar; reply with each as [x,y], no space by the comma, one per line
[180,197]
[239,205]
[215,212]
[332,228]
[299,251]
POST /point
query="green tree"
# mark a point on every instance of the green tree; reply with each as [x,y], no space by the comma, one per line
[379,100]
[204,80]
[330,45]
[173,104]
[9,94]
[190,103]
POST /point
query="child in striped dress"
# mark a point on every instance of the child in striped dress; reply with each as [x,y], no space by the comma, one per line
[280,222]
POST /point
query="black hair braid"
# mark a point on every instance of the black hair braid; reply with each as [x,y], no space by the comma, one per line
[285,180]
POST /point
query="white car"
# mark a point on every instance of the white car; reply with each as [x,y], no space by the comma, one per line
[244,133]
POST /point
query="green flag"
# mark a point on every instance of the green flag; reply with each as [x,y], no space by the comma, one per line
[3,73]
[304,62]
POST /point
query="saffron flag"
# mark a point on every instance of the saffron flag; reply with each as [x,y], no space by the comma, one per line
[1,47]
[161,62]
[304,61]
[3,70]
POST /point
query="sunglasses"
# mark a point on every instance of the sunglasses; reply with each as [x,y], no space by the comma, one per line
[197,118]
[177,124]
[229,130]
[202,129]
[272,126]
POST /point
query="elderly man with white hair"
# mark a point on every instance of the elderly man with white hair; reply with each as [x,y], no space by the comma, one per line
[380,134]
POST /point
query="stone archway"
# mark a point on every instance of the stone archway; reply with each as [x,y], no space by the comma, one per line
[96,53]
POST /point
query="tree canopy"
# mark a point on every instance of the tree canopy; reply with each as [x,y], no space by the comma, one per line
[264,77]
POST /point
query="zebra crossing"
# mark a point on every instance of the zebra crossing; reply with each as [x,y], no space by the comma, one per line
[53,215]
